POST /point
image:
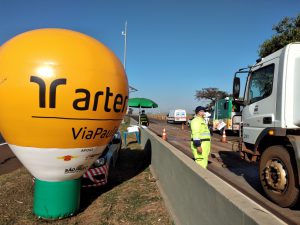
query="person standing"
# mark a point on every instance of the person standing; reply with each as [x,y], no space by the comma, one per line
[201,139]
[144,119]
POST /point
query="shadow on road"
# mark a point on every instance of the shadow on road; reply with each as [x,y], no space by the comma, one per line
[240,167]
[248,170]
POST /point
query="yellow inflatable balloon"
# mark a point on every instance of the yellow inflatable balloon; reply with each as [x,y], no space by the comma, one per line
[63,95]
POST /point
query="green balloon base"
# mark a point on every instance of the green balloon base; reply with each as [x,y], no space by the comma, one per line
[56,200]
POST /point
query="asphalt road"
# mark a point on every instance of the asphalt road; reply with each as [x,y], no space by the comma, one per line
[8,160]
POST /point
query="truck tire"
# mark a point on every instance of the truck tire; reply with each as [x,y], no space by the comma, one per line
[278,176]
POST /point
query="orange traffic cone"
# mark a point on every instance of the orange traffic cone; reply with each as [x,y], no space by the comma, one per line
[224,138]
[164,134]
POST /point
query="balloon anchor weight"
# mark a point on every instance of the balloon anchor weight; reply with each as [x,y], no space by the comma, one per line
[56,200]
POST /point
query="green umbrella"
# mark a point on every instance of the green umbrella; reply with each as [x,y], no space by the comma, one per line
[141,103]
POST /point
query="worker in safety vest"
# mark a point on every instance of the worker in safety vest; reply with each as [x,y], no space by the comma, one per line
[200,143]
[144,119]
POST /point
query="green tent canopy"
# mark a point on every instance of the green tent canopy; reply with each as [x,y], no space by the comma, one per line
[141,103]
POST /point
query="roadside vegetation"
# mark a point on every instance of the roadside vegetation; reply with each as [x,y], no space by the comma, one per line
[286,31]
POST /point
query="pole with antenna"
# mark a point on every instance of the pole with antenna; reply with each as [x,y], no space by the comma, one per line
[124,33]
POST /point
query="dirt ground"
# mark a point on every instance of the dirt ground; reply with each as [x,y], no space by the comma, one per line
[131,197]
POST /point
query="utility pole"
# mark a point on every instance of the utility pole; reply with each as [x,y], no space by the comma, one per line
[124,33]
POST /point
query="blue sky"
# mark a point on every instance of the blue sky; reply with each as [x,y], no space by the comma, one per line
[173,48]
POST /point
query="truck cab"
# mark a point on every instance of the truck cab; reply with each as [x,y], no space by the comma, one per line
[271,122]
[227,112]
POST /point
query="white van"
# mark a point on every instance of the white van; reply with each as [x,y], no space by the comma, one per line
[177,116]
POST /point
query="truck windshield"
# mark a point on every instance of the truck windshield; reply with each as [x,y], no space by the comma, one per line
[261,83]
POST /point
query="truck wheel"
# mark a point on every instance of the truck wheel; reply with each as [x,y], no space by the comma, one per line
[278,177]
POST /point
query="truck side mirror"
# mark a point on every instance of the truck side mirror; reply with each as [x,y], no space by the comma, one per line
[236,88]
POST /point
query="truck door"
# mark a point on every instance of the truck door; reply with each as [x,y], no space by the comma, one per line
[260,98]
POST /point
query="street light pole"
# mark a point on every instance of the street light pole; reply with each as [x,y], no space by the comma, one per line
[124,33]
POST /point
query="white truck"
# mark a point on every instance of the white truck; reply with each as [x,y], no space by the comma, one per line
[271,122]
[177,116]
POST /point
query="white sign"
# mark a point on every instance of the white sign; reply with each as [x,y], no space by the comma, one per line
[221,125]
[132,129]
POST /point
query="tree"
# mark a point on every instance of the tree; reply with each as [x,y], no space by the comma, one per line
[212,94]
[287,31]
